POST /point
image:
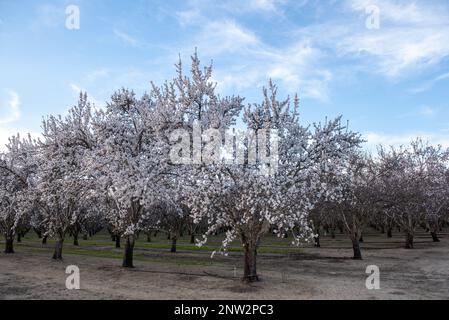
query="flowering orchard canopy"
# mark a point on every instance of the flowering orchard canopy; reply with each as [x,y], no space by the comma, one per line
[179,155]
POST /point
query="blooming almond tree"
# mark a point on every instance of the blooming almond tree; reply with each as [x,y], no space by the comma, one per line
[434,184]
[129,162]
[356,202]
[275,190]
[62,184]
[413,185]
[16,167]
[169,217]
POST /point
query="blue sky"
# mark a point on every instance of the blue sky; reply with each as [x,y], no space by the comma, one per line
[391,82]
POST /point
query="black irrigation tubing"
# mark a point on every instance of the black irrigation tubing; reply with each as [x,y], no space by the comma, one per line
[220,276]
[204,274]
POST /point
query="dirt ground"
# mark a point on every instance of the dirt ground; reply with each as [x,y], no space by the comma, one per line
[306,273]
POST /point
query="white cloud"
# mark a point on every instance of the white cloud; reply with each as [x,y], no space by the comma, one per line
[428,85]
[266,5]
[296,66]
[225,37]
[126,38]
[427,111]
[96,75]
[189,17]
[404,12]
[11,111]
[412,36]
[423,111]
[49,16]
[397,50]
[374,139]
[201,10]
[77,89]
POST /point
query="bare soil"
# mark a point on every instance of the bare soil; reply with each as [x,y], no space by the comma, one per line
[306,273]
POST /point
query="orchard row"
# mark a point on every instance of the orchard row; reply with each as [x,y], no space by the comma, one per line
[112,168]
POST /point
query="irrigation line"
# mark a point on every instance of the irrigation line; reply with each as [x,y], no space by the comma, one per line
[204,274]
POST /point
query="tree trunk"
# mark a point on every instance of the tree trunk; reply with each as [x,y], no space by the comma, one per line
[192,238]
[361,238]
[250,266]
[408,241]
[57,255]
[39,233]
[19,237]
[174,239]
[129,251]
[9,244]
[317,243]
[117,241]
[356,249]
[85,237]
[333,233]
[435,236]
[434,227]
[390,232]
[148,237]
[44,240]
[75,240]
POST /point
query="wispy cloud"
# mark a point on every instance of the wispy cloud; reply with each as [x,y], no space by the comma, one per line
[374,139]
[96,75]
[76,89]
[11,109]
[423,111]
[226,37]
[274,7]
[189,17]
[297,66]
[412,36]
[126,38]
[48,16]
[427,111]
[429,84]
[265,5]
[200,10]
[398,11]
